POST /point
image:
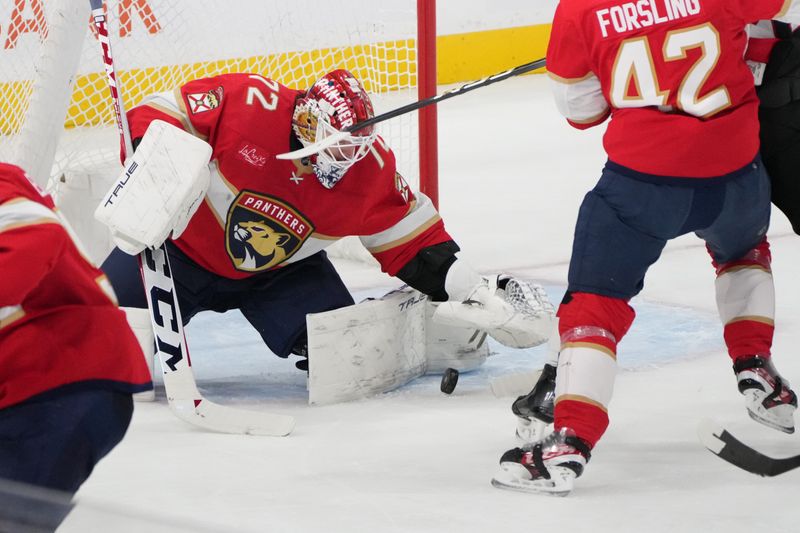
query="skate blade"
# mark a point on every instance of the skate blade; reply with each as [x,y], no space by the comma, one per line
[771,422]
[557,486]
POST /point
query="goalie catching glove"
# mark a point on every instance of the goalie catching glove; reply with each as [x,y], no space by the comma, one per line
[515,313]
[164,183]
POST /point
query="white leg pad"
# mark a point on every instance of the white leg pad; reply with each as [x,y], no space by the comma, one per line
[139,321]
[378,345]
[366,349]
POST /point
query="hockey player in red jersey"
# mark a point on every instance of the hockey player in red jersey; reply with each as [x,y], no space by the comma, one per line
[69,363]
[255,242]
[682,147]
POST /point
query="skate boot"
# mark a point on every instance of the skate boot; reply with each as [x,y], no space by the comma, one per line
[300,348]
[768,398]
[548,467]
[535,410]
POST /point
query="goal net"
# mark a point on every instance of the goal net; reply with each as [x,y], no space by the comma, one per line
[56,117]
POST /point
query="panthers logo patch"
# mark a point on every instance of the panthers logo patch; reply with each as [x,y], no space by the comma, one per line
[262,232]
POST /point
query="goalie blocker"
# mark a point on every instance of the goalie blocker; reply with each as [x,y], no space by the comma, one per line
[163,185]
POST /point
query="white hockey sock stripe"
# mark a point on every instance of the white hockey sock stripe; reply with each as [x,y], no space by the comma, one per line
[22,212]
[586,372]
[746,294]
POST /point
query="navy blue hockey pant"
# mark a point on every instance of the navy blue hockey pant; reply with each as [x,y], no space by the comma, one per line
[625,222]
[55,439]
[275,302]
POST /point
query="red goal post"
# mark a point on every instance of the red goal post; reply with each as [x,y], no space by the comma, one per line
[55,116]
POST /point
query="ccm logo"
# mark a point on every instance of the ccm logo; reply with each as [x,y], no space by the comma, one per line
[168,335]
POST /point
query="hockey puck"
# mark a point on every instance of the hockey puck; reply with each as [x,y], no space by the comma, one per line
[449,380]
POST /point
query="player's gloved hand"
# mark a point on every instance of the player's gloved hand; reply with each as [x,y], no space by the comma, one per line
[515,313]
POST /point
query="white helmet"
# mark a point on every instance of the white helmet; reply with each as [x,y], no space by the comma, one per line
[336,101]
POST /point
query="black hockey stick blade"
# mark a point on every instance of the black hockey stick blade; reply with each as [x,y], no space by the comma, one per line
[724,445]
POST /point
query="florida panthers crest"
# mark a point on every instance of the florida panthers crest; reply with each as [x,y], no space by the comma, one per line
[262,231]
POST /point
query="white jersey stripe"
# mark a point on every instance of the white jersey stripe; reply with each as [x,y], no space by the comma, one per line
[10,314]
[790,12]
[220,195]
[22,212]
[421,215]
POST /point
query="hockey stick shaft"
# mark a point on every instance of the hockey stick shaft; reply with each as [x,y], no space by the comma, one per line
[471,86]
[184,398]
[100,24]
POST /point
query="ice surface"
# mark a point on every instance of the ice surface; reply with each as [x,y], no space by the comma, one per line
[512,178]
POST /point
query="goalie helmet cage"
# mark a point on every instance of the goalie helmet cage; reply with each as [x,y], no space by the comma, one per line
[56,119]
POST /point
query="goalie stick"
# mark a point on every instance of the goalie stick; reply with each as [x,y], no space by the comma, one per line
[344,134]
[184,399]
[724,445]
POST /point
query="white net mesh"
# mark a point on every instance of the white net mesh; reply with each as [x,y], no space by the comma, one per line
[160,44]
[530,299]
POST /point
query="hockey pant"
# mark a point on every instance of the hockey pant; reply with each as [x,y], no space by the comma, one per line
[622,227]
[55,439]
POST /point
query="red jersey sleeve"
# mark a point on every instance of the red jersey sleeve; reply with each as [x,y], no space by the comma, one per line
[567,53]
[163,106]
[202,102]
[576,88]
[194,107]
[409,222]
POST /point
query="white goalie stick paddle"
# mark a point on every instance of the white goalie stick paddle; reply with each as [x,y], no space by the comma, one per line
[182,394]
[725,446]
[344,134]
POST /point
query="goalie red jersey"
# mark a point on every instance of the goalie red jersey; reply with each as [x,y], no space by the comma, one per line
[261,212]
[666,71]
[59,322]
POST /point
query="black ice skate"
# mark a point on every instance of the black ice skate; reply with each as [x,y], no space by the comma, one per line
[535,410]
[548,467]
[769,400]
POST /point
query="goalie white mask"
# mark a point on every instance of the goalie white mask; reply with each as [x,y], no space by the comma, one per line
[335,102]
